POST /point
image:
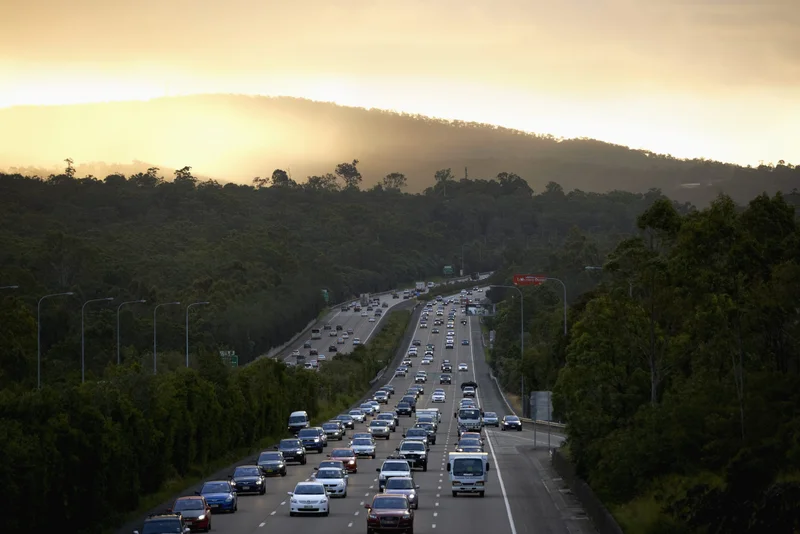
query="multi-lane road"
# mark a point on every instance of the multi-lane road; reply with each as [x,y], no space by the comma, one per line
[523,493]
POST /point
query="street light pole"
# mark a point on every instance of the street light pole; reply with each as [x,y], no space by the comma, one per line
[564,287]
[155,333]
[187,327]
[83,336]
[597,268]
[521,345]
[118,328]
[39,335]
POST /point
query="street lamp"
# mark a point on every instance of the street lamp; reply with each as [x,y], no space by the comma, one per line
[597,268]
[83,336]
[39,335]
[9,287]
[462,257]
[155,332]
[118,329]
[564,287]
[521,345]
[187,327]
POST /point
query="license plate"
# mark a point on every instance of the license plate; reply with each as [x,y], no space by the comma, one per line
[308,507]
[270,470]
[245,487]
[214,506]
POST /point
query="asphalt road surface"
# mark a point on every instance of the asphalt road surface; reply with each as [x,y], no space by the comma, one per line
[523,494]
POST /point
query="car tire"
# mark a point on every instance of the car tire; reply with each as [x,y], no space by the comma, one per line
[283,473]
[236,507]
[481,494]
[263,491]
[327,513]
[503,429]
[373,456]
[455,494]
[303,461]
[291,514]
[519,429]
[424,467]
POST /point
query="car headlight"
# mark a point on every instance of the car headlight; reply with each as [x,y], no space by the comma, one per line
[201,517]
[229,498]
[293,500]
[406,516]
[373,516]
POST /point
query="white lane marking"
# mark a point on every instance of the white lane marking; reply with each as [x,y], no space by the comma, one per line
[273,513]
[262,524]
[356,513]
[350,524]
[366,495]
[438,495]
[374,479]
[371,487]
[283,502]
[439,486]
[361,503]
[489,440]
[437,504]
[433,525]
[435,514]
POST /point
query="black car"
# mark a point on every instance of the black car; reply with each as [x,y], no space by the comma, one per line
[307,345]
[404,408]
[346,420]
[293,450]
[511,422]
[445,379]
[334,430]
[164,523]
[311,439]
[249,479]
[272,463]
[333,348]
[412,400]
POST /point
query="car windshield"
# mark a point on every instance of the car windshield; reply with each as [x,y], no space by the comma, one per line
[188,504]
[365,405]
[490,414]
[297,419]
[400,483]
[330,473]
[413,446]
[403,405]
[469,413]
[342,453]
[162,526]
[467,467]
[395,466]
[425,426]
[269,457]
[345,417]
[512,418]
[330,426]
[362,442]
[246,472]
[309,489]
[308,433]
[290,444]
[385,417]
[389,503]
[355,412]
[416,432]
[378,422]
[216,487]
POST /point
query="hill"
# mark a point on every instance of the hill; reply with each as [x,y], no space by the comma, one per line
[236,138]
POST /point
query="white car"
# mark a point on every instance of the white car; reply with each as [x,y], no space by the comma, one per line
[392,468]
[438,397]
[426,361]
[364,314]
[334,480]
[356,341]
[358,415]
[372,319]
[296,352]
[462,367]
[363,447]
[309,498]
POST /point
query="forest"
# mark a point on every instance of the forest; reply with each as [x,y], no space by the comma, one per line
[235,137]
[679,375]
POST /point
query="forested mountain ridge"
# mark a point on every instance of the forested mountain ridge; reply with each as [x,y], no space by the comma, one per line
[235,138]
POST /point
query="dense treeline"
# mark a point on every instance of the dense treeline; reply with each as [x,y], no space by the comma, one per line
[679,378]
[310,138]
[78,459]
[260,255]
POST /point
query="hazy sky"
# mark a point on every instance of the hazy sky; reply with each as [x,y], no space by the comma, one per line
[710,78]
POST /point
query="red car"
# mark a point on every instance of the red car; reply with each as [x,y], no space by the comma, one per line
[388,512]
[195,511]
[348,457]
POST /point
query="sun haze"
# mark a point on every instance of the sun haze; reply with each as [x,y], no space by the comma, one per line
[714,79]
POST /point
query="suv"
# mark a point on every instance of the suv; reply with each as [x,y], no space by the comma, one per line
[393,468]
[163,523]
[414,452]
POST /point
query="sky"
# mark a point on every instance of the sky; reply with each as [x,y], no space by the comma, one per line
[718,79]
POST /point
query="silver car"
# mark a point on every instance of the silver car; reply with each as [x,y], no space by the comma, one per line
[334,480]
[491,419]
[380,429]
[363,447]
[403,486]
[390,419]
[358,416]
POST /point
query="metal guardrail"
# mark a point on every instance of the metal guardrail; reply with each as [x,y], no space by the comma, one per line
[541,422]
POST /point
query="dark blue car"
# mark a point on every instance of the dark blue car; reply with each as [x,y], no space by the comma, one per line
[220,495]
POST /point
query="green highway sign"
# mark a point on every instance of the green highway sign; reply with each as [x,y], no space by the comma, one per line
[229,358]
[325,295]
[448,270]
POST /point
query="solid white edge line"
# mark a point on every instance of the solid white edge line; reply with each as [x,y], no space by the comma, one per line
[489,438]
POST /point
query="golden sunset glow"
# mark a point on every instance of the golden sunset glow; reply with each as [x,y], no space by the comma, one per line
[689,80]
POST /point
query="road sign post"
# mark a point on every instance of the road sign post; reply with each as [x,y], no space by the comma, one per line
[529,279]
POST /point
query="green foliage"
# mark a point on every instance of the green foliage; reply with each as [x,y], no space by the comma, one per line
[78,458]
[262,133]
[679,377]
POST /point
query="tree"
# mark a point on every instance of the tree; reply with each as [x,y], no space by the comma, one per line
[349,174]
[327,182]
[280,178]
[394,181]
[442,178]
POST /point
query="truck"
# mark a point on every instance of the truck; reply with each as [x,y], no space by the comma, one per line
[421,287]
[364,299]
[468,472]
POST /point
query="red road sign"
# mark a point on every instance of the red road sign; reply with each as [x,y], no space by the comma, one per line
[529,279]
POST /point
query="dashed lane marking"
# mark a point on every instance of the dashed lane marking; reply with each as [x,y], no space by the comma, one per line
[274,512]
[262,524]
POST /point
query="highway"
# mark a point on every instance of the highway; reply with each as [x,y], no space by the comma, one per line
[523,494]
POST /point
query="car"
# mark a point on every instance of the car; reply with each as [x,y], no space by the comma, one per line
[392,468]
[332,333]
[389,512]
[220,495]
[430,427]
[417,434]
[356,341]
[445,379]
[363,447]
[336,464]
[367,409]
[272,463]
[169,522]
[426,361]
[372,319]
[249,479]
[472,435]
[462,367]
[403,486]
[347,456]
[407,362]
[340,341]
[332,348]
[435,331]
[511,422]
[296,353]
[313,352]
[420,378]
[381,396]
[465,341]
[334,430]
[380,429]
[195,512]
[401,372]
[404,408]
[438,397]
[463,321]
[449,345]
[347,420]
[469,392]
[292,450]
[391,419]
[350,331]
[309,498]
[414,451]
[334,480]
[358,416]
[491,419]
[469,445]
[313,439]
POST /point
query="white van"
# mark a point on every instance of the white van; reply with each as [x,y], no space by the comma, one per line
[298,421]
[430,411]
[469,472]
